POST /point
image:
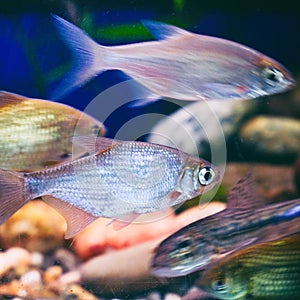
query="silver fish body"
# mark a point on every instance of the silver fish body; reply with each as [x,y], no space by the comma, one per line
[124,178]
[182,65]
[197,245]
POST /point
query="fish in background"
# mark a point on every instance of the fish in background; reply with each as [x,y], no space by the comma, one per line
[265,271]
[37,133]
[180,65]
[119,179]
[246,221]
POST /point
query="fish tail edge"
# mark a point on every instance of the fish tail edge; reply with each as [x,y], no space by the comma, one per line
[88,57]
[12,196]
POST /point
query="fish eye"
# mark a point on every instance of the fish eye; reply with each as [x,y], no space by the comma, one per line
[184,243]
[96,130]
[272,76]
[220,285]
[206,175]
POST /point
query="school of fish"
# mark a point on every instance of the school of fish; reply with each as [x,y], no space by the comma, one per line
[120,179]
[246,221]
[242,251]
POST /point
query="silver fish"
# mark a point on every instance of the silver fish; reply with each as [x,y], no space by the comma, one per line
[181,65]
[245,222]
[119,179]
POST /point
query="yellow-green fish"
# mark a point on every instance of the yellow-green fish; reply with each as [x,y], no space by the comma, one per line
[180,65]
[269,271]
[36,133]
[119,179]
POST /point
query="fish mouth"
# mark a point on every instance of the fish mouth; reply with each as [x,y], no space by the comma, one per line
[176,271]
[161,266]
[292,82]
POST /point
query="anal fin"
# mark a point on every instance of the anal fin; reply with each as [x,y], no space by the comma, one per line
[76,218]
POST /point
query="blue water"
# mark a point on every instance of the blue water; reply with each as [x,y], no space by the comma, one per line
[31,49]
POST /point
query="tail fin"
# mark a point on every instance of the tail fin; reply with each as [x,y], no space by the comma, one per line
[11,193]
[87,57]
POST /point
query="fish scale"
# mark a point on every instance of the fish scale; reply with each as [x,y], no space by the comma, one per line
[241,223]
[265,271]
[36,133]
[179,65]
[119,180]
[226,232]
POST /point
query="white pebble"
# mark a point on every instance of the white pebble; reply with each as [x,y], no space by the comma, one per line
[13,257]
[154,296]
[31,279]
[171,296]
[36,259]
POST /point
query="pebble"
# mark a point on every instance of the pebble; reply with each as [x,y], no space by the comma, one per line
[200,126]
[154,296]
[14,258]
[52,274]
[194,293]
[269,137]
[77,292]
[35,227]
[31,280]
[13,288]
[36,259]
[171,296]
[66,259]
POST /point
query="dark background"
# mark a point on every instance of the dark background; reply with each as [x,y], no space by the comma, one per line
[33,58]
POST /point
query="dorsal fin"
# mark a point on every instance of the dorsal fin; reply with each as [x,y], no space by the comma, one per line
[94,144]
[244,194]
[162,31]
[7,98]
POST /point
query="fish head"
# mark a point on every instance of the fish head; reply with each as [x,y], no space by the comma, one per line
[88,126]
[196,178]
[269,77]
[181,254]
[224,280]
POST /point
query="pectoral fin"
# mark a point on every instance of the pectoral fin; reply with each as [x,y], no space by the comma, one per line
[76,218]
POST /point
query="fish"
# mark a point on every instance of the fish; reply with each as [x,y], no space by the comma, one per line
[37,133]
[265,271]
[117,180]
[180,65]
[246,221]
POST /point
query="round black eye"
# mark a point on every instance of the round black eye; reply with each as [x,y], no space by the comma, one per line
[184,243]
[219,285]
[96,130]
[206,175]
[272,76]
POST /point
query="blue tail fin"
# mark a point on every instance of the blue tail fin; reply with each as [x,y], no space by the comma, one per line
[87,57]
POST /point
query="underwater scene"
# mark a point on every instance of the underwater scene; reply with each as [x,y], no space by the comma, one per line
[149,150]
